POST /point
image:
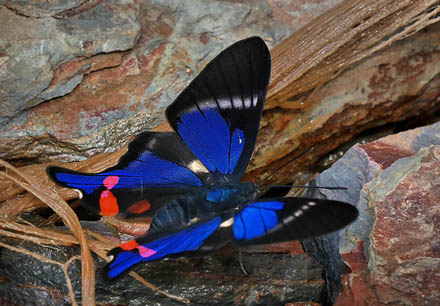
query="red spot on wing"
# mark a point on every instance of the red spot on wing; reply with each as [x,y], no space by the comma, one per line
[129,245]
[110,181]
[139,207]
[146,252]
[108,204]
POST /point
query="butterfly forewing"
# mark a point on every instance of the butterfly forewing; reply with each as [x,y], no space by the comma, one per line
[218,114]
[156,166]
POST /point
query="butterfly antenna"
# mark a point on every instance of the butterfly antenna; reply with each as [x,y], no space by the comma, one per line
[285,164]
[296,186]
[302,186]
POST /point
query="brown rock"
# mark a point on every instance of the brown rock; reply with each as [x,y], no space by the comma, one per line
[117,94]
[393,249]
[394,84]
[216,280]
[405,245]
[41,37]
[112,105]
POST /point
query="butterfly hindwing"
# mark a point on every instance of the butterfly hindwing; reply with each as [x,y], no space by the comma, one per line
[157,246]
[287,219]
[218,114]
[156,165]
[259,222]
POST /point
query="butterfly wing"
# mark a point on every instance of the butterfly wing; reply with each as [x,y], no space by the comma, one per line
[153,247]
[277,220]
[156,165]
[218,114]
[217,117]
[259,222]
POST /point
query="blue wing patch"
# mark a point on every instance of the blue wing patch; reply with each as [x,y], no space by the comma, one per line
[151,171]
[209,136]
[256,219]
[76,180]
[188,239]
[237,146]
[145,171]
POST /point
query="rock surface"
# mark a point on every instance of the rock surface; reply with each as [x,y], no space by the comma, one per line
[41,38]
[395,84]
[404,246]
[392,249]
[389,255]
[117,94]
[106,70]
[109,69]
[215,280]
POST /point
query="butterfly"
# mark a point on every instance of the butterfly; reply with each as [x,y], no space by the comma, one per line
[188,180]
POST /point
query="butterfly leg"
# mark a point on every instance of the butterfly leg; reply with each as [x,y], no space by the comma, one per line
[240,260]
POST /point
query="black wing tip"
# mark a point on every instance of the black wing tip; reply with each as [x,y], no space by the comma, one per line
[350,211]
[108,279]
[254,43]
[104,274]
[344,212]
[106,269]
[257,40]
[52,171]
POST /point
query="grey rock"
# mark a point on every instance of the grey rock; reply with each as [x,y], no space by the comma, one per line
[41,9]
[215,280]
[33,44]
[177,39]
[429,136]
[370,172]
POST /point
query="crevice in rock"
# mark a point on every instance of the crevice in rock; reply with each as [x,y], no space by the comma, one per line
[83,7]
[19,12]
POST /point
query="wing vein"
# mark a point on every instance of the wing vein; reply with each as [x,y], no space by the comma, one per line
[252,80]
[262,221]
[226,86]
[216,101]
[214,131]
[240,85]
[200,145]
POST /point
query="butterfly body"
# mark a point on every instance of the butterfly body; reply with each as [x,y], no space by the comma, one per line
[188,180]
[186,209]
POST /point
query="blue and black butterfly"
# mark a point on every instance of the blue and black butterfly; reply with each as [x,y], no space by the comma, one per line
[189,181]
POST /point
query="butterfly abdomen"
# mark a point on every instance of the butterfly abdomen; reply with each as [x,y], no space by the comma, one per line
[190,208]
[180,211]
